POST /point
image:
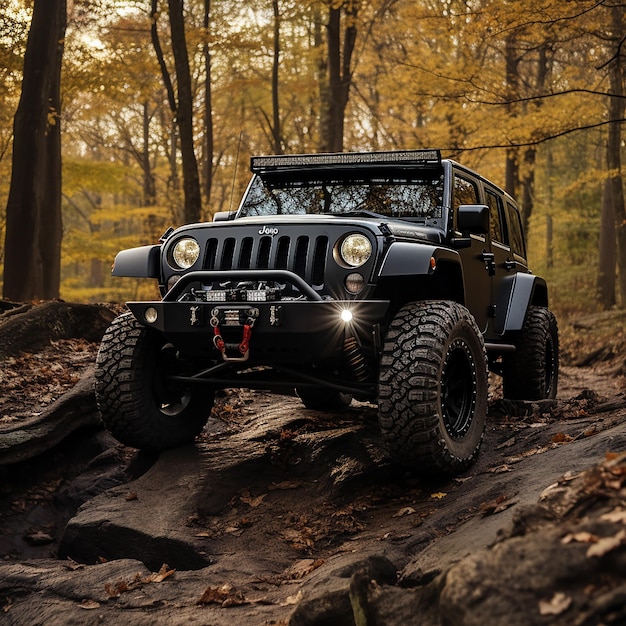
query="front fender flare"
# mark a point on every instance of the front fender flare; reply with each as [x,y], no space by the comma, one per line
[408,259]
[142,262]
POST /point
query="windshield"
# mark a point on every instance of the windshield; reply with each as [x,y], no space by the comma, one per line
[391,197]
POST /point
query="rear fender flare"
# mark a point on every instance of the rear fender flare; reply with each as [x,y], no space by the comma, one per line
[515,295]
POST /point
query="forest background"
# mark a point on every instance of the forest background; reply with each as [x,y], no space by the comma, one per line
[119,118]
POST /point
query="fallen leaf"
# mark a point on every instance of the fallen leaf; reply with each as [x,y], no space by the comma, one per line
[89,604]
[499,504]
[616,516]
[561,438]
[161,575]
[407,510]
[116,590]
[286,484]
[225,596]
[439,495]
[298,538]
[581,537]
[302,568]
[506,444]
[72,565]
[560,602]
[606,544]
[246,498]
[289,600]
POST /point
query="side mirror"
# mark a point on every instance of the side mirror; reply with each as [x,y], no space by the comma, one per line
[223,216]
[473,219]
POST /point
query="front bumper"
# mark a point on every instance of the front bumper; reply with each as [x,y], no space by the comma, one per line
[284,331]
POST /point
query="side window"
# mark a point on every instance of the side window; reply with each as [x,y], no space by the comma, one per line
[496,217]
[515,230]
[465,192]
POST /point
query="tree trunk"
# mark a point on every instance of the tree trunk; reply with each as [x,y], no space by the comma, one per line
[276,128]
[51,217]
[530,154]
[33,213]
[209,148]
[607,254]
[184,113]
[549,242]
[339,73]
[149,186]
[614,163]
[322,76]
[528,186]
[550,206]
[512,86]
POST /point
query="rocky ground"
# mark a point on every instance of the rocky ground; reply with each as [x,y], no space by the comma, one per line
[281,515]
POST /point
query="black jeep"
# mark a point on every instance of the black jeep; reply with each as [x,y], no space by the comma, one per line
[398,278]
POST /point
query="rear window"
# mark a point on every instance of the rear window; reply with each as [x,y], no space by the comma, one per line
[496,217]
[516,237]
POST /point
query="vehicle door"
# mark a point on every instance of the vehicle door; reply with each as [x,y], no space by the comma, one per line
[475,258]
[504,261]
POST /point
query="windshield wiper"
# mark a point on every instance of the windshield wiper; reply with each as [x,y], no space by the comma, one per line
[360,213]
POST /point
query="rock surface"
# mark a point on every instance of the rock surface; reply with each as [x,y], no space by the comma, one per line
[282,515]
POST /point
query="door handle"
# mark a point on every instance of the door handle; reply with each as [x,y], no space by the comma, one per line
[490,262]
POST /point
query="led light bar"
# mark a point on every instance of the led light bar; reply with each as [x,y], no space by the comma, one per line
[260,295]
[232,295]
[396,157]
[216,295]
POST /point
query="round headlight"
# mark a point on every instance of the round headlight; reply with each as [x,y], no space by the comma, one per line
[355,250]
[186,252]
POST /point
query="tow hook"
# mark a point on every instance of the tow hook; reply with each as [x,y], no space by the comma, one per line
[245,317]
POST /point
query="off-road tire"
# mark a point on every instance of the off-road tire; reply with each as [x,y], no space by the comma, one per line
[433,388]
[320,399]
[532,371]
[137,404]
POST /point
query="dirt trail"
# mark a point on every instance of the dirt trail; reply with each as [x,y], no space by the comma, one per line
[278,514]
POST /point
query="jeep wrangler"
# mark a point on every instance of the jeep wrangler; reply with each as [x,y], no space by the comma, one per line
[398,278]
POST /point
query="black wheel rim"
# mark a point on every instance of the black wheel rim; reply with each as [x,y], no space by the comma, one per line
[458,389]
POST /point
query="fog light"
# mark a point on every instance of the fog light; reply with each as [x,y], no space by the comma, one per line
[151,315]
[354,283]
[346,315]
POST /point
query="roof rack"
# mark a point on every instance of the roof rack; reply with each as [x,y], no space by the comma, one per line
[418,158]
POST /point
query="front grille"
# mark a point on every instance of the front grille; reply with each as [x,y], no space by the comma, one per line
[304,255]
